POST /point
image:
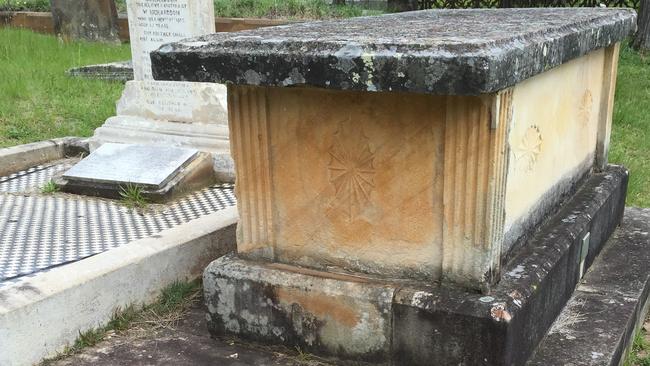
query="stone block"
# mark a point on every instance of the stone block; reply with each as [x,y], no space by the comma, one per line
[333,314]
[467,52]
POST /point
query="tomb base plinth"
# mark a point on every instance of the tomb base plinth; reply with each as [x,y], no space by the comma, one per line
[362,318]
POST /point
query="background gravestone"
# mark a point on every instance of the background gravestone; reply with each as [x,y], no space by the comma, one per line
[92,20]
[403,5]
[642,38]
[181,114]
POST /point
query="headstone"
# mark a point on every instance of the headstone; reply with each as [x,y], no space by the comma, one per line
[167,113]
[641,41]
[379,157]
[92,20]
[158,171]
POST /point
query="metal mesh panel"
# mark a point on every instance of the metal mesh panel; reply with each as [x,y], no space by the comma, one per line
[42,231]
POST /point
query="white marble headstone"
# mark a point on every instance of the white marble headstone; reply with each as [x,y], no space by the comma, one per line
[161,112]
[155,22]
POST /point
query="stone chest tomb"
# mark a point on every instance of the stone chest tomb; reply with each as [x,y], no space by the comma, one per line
[395,173]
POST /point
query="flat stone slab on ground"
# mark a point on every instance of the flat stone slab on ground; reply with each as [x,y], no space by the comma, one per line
[144,165]
[117,71]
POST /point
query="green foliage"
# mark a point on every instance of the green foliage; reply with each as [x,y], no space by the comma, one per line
[132,196]
[49,188]
[174,296]
[639,354]
[300,9]
[38,101]
[630,143]
[24,5]
[88,338]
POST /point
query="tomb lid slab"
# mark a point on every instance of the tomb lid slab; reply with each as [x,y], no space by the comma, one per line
[450,52]
[148,166]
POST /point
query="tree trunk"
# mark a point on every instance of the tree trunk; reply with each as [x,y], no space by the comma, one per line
[641,40]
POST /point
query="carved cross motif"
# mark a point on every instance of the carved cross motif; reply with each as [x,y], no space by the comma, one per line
[351,169]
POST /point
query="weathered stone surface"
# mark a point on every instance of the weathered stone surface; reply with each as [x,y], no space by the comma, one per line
[143,165]
[428,324]
[224,168]
[139,130]
[117,71]
[175,102]
[600,321]
[93,20]
[332,314]
[465,52]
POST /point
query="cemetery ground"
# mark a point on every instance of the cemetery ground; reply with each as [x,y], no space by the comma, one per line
[39,102]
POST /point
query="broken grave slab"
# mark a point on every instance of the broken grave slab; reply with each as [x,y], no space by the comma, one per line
[157,170]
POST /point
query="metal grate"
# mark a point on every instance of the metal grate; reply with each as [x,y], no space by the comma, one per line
[39,232]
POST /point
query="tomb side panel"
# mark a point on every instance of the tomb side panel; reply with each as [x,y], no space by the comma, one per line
[553,141]
[357,180]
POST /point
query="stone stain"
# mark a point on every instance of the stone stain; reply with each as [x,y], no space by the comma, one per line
[321,306]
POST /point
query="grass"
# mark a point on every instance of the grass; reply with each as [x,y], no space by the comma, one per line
[630,144]
[49,188]
[640,354]
[168,309]
[299,9]
[132,196]
[38,101]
